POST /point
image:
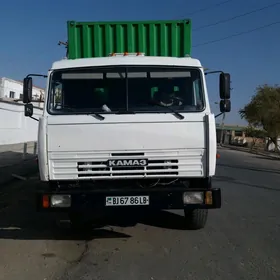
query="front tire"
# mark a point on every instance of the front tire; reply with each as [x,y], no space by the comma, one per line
[195,219]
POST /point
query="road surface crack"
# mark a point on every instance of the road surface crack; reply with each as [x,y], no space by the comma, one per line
[82,255]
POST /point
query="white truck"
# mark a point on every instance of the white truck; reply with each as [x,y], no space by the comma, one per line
[108,140]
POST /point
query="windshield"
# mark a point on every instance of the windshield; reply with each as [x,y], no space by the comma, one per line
[125,89]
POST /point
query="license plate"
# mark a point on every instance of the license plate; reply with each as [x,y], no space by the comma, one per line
[127,200]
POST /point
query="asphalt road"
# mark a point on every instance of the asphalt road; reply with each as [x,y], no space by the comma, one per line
[240,241]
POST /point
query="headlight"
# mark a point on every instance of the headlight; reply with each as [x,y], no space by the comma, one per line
[193,197]
[61,201]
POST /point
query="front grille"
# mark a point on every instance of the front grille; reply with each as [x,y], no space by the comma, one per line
[93,165]
[154,167]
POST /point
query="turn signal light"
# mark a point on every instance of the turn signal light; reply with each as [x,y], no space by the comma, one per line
[46,201]
[208,198]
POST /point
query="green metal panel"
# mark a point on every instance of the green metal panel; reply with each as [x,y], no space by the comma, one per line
[154,38]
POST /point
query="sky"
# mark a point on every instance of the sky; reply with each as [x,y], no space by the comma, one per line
[31,30]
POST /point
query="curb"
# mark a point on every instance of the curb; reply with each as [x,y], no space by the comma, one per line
[24,168]
[251,152]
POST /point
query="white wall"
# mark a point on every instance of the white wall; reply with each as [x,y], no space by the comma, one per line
[271,146]
[8,85]
[14,126]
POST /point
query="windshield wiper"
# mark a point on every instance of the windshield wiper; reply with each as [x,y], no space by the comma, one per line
[93,114]
[178,115]
[97,116]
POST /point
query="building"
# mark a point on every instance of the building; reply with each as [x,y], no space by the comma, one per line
[12,90]
[230,133]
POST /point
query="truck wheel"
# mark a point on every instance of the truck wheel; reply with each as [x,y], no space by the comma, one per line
[196,219]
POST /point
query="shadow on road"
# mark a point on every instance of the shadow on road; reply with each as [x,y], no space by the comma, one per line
[20,221]
[266,170]
[13,163]
[45,227]
[163,219]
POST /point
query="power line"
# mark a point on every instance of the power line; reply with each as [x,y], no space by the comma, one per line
[238,16]
[209,7]
[237,34]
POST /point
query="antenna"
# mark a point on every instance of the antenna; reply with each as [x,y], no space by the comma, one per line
[64,44]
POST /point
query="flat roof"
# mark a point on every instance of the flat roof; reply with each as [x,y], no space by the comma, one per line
[20,82]
[231,127]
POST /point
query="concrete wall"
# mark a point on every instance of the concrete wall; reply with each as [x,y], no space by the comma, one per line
[9,87]
[35,103]
[14,126]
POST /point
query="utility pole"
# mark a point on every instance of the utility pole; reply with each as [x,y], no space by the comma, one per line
[222,125]
[222,128]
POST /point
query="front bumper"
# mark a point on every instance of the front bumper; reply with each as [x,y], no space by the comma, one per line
[159,198]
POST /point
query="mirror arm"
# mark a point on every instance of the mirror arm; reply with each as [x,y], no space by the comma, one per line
[34,118]
[213,72]
[218,115]
[36,75]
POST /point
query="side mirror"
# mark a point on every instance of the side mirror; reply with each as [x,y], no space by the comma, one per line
[27,90]
[28,110]
[225,86]
[225,106]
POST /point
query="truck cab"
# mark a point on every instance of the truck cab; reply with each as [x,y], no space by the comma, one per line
[128,131]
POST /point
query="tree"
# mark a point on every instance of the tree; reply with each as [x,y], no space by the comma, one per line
[263,111]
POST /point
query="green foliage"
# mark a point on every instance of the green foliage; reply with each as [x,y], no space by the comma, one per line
[263,111]
[255,132]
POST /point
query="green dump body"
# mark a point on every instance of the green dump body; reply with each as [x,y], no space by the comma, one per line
[154,38]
